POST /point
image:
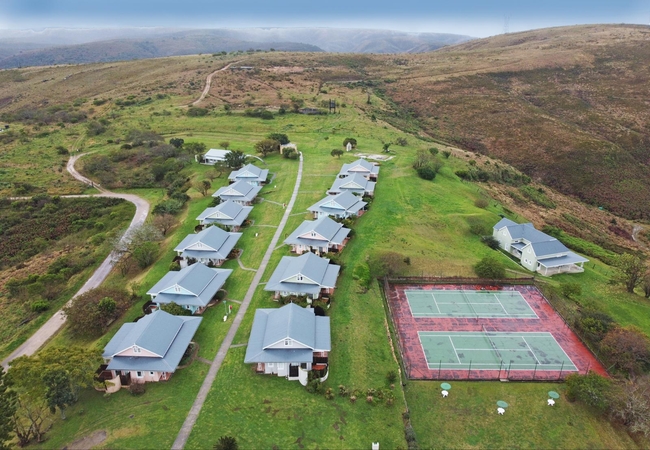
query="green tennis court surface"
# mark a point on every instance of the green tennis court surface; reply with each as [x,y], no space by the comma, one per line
[494,351]
[463,303]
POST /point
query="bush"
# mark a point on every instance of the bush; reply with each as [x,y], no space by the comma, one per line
[482,202]
[39,306]
[491,242]
[433,150]
[361,273]
[446,154]
[196,112]
[478,226]
[282,138]
[60,150]
[175,266]
[266,115]
[571,289]
[391,376]
[591,389]
[426,173]
[628,349]
[137,389]
[491,268]
[175,309]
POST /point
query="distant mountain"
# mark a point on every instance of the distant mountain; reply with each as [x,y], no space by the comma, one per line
[22,48]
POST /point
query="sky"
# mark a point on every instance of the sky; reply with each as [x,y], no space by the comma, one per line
[477,18]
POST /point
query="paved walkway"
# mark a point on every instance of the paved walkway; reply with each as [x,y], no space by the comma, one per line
[190,420]
[54,324]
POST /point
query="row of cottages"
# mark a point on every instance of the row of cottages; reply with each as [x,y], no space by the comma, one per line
[150,349]
[536,251]
[292,341]
[358,177]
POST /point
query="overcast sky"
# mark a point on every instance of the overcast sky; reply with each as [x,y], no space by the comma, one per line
[477,18]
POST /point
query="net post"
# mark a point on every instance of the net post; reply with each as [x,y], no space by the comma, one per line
[509,367]
[561,369]
[535,371]
[470,368]
[500,368]
[439,367]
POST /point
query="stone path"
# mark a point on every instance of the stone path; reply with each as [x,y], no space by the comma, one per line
[241,264]
[193,414]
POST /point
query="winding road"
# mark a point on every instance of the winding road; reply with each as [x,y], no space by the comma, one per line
[54,324]
[208,82]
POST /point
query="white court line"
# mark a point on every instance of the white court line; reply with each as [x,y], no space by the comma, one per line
[562,348]
[436,302]
[504,310]
[452,346]
[531,350]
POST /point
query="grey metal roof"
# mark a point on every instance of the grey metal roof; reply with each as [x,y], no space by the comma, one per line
[360,166]
[551,247]
[211,242]
[339,204]
[529,232]
[518,245]
[197,284]
[321,273]
[216,153]
[569,258]
[290,321]
[333,232]
[504,223]
[353,183]
[227,213]
[249,172]
[160,333]
[240,190]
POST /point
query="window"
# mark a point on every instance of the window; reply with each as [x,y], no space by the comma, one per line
[270,365]
[287,342]
[299,277]
[136,349]
[151,373]
[138,374]
[313,234]
[177,288]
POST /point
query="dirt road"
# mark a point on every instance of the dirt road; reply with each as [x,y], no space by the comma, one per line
[49,328]
[208,83]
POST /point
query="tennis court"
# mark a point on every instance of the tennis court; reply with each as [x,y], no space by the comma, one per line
[507,351]
[468,303]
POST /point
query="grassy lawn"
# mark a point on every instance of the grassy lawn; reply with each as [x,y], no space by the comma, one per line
[528,422]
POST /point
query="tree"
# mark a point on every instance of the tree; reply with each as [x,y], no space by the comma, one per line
[490,267]
[267,146]
[631,405]
[628,349]
[226,443]
[203,186]
[426,173]
[8,407]
[386,146]
[170,206]
[177,142]
[337,152]
[196,112]
[164,222]
[571,289]
[631,270]
[646,285]
[235,159]
[59,391]
[224,145]
[282,138]
[352,141]
[195,148]
[92,312]
[145,254]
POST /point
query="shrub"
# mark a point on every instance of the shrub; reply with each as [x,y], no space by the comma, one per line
[490,267]
[446,154]
[571,289]
[137,389]
[175,266]
[491,242]
[482,202]
[361,273]
[594,324]
[329,394]
[196,112]
[266,115]
[175,309]
[39,306]
[282,138]
[628,349]
[591,389]
[60,150]
[433,150]
[478,226]
[391,376]
[343,391]
[426,173]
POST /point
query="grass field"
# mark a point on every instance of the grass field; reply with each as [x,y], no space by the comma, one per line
[425,221]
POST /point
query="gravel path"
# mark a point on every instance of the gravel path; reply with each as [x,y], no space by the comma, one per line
[190,420]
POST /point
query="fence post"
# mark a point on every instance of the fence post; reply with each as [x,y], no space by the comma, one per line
[439,367]
[561,369]
[509,366]
[500,368]
[470,368]
[535,371]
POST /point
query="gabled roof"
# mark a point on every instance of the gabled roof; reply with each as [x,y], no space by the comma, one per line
[356,183]
[551,247]
[194,285]
[271,326]
[226,213]
[239,190]
[337,204]
[249,172]
[211,242]
[525,231]
[504,223]
[360,166]
[326,230]
[317,273]
[160,333]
